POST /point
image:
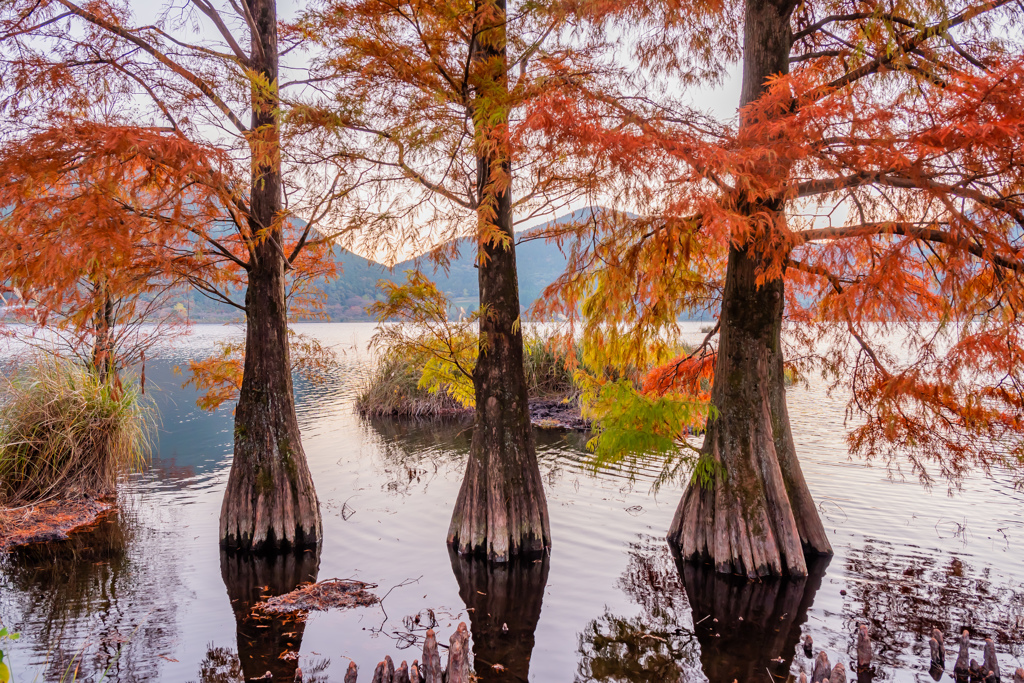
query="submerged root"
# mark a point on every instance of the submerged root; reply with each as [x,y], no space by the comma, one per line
[321,596]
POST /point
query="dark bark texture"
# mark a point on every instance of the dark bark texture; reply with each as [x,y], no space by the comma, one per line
[757,517]
[505,603]
[103,359]
[270,503]
[744,626]
[262,637]
[501,510]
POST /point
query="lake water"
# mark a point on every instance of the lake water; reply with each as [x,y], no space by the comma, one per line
[148,596]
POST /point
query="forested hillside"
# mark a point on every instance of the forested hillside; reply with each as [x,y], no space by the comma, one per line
[355,288]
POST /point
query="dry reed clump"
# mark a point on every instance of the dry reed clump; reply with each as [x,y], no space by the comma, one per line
[64,433]
[393,387]
[393,390]
[549,365]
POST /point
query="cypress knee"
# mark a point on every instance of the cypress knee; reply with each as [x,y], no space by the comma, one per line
[458,656]
[863,648]
[962,668]
[991,661]
[822,668]
[938,649]
[352,673]
[432,672]
[838,674]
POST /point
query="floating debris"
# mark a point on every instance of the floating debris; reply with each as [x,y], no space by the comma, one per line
[321,596]
[49,521]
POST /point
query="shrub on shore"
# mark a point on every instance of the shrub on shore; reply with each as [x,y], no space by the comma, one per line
[66,433]
[393,388]
[406,383]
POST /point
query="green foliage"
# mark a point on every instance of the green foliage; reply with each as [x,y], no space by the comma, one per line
[633,427]
[63,431]
[5,672]
[444,351]
[706,470]
[427,360]
[442,374]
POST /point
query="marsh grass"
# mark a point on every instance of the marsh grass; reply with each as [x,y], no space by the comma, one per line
[394,386]
[392,389]
[549,365]
[66,433]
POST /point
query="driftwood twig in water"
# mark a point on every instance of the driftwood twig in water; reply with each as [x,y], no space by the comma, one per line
[321,596]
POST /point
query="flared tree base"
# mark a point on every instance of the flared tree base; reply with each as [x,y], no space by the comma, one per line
[756,517]
[501,511]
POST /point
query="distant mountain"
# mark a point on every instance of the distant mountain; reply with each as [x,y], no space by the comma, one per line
[355,288]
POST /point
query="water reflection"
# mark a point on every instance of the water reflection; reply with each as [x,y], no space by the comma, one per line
[746,627]
[266,643]
[696,624]
[903,597]
[504,603]
[89,605]
[657,645]
[413,451]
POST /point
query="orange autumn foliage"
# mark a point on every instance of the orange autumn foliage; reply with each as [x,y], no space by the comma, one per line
[690,376]
[879,178]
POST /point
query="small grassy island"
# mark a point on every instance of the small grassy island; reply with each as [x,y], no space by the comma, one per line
[67,436]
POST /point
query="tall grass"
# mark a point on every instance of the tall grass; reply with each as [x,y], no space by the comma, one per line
[65,433]
[549,366]
[393,387]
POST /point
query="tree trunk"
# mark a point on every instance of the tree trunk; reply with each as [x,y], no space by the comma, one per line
[501,510]
[270,503]
[757,516]
[103,360]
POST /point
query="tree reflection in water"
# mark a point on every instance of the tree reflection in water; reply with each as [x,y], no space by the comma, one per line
[504,602]
[412,451]
[903,597]
[745,627]
[658,644]
[88,604]
[740,627]
[265,642]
